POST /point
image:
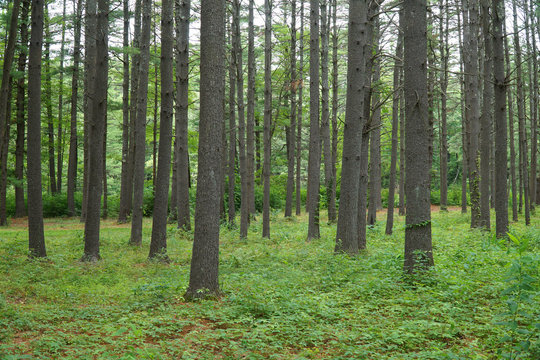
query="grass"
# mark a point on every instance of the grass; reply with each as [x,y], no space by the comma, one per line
[283,298]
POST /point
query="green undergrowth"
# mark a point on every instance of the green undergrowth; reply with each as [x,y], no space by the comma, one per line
[283,298]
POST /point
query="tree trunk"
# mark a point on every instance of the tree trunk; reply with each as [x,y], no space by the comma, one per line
[486,119]
[105,207]
[140,127]
[501,195]
[232,133]
[250,125]
[48,104]
[97,128]
[182,101]
[314,164]
[60,131]
[521,119]
[395,121]
[267,115]
[464,123]
[4,161]
[363,185]
[20,209]
[156,101]
[347,224]
[203,278]
[158,244]
[300,117]
[332,213]
[444,53]
[418,249]
[36,238]
[291,135]
[533,98]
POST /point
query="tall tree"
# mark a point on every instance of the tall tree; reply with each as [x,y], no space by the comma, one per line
[347,224]
[444,49]
[232,133]
[325,111]
[486,118]
[36,236]
[501,194]
[48,103]
[267,115]
[291,134]
[20,209]
[182,103]
[464,120]
[314,164]
[395,122]
[534,93]
[158,244]
[97,128]
[250,123]
[203,278]
[332,213]
[72,159]
[298,185]
[60,131]
[418,248]
[140,127]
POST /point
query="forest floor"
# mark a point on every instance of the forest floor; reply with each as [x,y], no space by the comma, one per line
[282,298]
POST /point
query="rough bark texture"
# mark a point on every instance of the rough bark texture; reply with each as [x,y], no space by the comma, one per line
[444,53]
[314,164]
[395,121]
[203,278]
[182,101]
[418,249]
[158,244]
[60,131]
[267,115]
[533,89]
[300,116]
[250,123]
[140,127]
[501,138]
[232,134]
[464,126]
[20,209]
[36,238]
[72,159]
[347,224]
[97,127]
[486,119]
[363,187]
[332,213]
[48,104]
[291,135]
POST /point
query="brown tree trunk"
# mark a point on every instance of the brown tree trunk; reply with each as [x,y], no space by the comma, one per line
[48,104]
[60,131]
[332,213]
[267,115]
[325,103]
[250,124]
[444,53]
[300,116]
[533,99]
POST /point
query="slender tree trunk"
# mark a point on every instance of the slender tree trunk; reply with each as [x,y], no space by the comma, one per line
[521,119]
[444,51]
[232,133]
[300,117]
[60,131]
[401,145]
[501,195]
[156,101]
[9,55]
[126,187]
[4,161]
[140,127]
[105,207]
[533,77]
[347,224]
[97,128]
[267,115]
[418,249]
[395,121]
[314,164]
[250,125]
[325,103]
[48,103]
[291,137]
[182,101]
[464,121]
[203,278]
[36,238]
[332,213]
[158,244]
[20,209]
[363,185]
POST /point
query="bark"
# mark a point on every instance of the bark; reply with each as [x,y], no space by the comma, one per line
[155,118]
[267,115]
[418,249]
[533,77]
[244,197]
[36,238]
[395,122]
[3,162]
[332,213]
[299,120]
[140,127]
[444,53]
[325,103]
[48,104]
[105,207]
[401,145]
[291,134]
[521,119]
[232,135]
[60,131]
[464,123]
[182,101]
[20,209]
[314,164]
[486,119]
[126,187]
[347,224]
[250,124]
[363,187]
[203,280]
[158,244]
[501,138]
[97,128]
[9,55]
